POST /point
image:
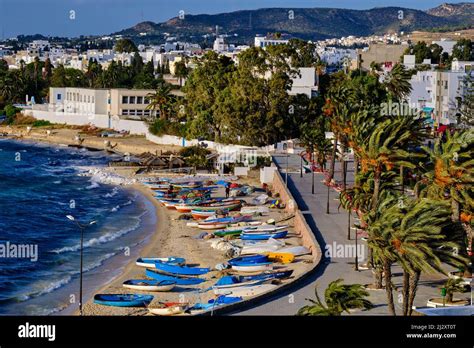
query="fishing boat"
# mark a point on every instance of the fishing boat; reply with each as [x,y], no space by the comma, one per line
[229,205]
[149,285]
[234,280]
[179,280]
[215,223]
[245,291]
[280,257]
[244,260]
[263,236]
[229,231]
[262,247]
[253,267]
[123,300]
[204,214]
[168,308]
[180,270]
[149,262]
[297,250]
[214,303]
[169,203]
[265,229]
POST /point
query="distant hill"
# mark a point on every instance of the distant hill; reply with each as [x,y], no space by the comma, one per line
[308,23]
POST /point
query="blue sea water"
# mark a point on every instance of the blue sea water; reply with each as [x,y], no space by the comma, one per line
[39,186]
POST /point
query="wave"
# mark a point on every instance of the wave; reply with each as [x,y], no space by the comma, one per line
[113,193]
[93,185]
[108,237]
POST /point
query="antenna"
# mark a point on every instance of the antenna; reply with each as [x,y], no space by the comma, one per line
[217,30]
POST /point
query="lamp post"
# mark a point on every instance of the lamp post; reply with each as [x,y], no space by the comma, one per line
[82,227]
[286,175]
[301,166]
[312,170]
[356,267]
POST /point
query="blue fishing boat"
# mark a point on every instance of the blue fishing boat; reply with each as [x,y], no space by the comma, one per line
[123,300]
[213,303]
[180,270]
[233,280]
[263,236]
[248,259]
[179,280]
[150,261]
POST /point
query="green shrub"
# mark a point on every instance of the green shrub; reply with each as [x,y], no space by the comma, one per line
[41,123]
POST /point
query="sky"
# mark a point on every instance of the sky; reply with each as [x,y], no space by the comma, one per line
[99,17]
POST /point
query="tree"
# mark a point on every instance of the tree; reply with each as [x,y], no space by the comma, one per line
[125,45]
[398,83]
[160,100]
[463,50]
[339,298]
[181,71]
[452,286]
[465,103]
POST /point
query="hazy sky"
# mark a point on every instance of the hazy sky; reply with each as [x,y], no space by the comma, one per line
[51,17]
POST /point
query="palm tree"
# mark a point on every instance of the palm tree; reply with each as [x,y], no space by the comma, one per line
[452,286]
[449,176]
[397,82]
[411,233]
[160,100]
[339,298]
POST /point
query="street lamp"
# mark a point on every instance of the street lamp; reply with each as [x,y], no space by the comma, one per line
[312,170]
[356,267]
[82,227]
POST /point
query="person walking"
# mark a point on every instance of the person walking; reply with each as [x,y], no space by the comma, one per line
[227,190]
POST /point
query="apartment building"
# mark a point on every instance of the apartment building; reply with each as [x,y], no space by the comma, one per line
[261,41]
[121,102]
[436,93]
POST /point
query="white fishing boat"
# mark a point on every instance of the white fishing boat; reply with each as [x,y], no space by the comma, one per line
[149,285]
[259,267]
[245,291]
[265,229]
[170,308]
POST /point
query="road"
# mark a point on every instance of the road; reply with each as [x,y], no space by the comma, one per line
[331,230]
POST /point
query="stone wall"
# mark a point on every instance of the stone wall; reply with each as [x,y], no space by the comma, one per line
[301,227]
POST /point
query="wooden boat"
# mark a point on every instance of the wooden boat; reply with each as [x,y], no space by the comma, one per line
[253,267]
[149,285]
[168,308]
[204,214]
[230,231]
[248,278]
[244,260]
[230,205]
[179,280]
[262,247]
[123,300]
[180,270]
[263,236]
[280,257]
[265,229]
[214,303]
[233,281]
[216,223]
[245,291]
[150,261]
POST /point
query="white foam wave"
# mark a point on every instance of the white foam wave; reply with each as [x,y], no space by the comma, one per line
[108,237]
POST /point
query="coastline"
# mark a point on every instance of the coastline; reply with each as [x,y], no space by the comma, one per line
[150,245]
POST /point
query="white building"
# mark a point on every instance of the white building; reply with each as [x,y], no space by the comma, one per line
[436,93]
[305,83]
[261,41]
[220,45]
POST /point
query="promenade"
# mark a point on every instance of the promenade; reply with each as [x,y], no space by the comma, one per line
[331,230]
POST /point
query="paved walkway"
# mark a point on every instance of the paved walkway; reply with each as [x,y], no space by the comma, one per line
[330,229]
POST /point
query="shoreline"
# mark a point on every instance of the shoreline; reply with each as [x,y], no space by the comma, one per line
[161,226]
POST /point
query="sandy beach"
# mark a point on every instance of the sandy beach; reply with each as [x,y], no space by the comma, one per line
[170,236]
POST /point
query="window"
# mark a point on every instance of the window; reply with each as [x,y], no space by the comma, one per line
[147,101]
[58,96]
[92,98]
[132,100]
[125,112]
[139,100]
[124,100]
[139,112]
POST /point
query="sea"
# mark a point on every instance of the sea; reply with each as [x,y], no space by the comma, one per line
[39,186]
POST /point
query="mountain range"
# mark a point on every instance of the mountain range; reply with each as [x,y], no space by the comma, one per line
[305,23]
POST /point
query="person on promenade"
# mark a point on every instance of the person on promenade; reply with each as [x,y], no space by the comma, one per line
[227,190]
